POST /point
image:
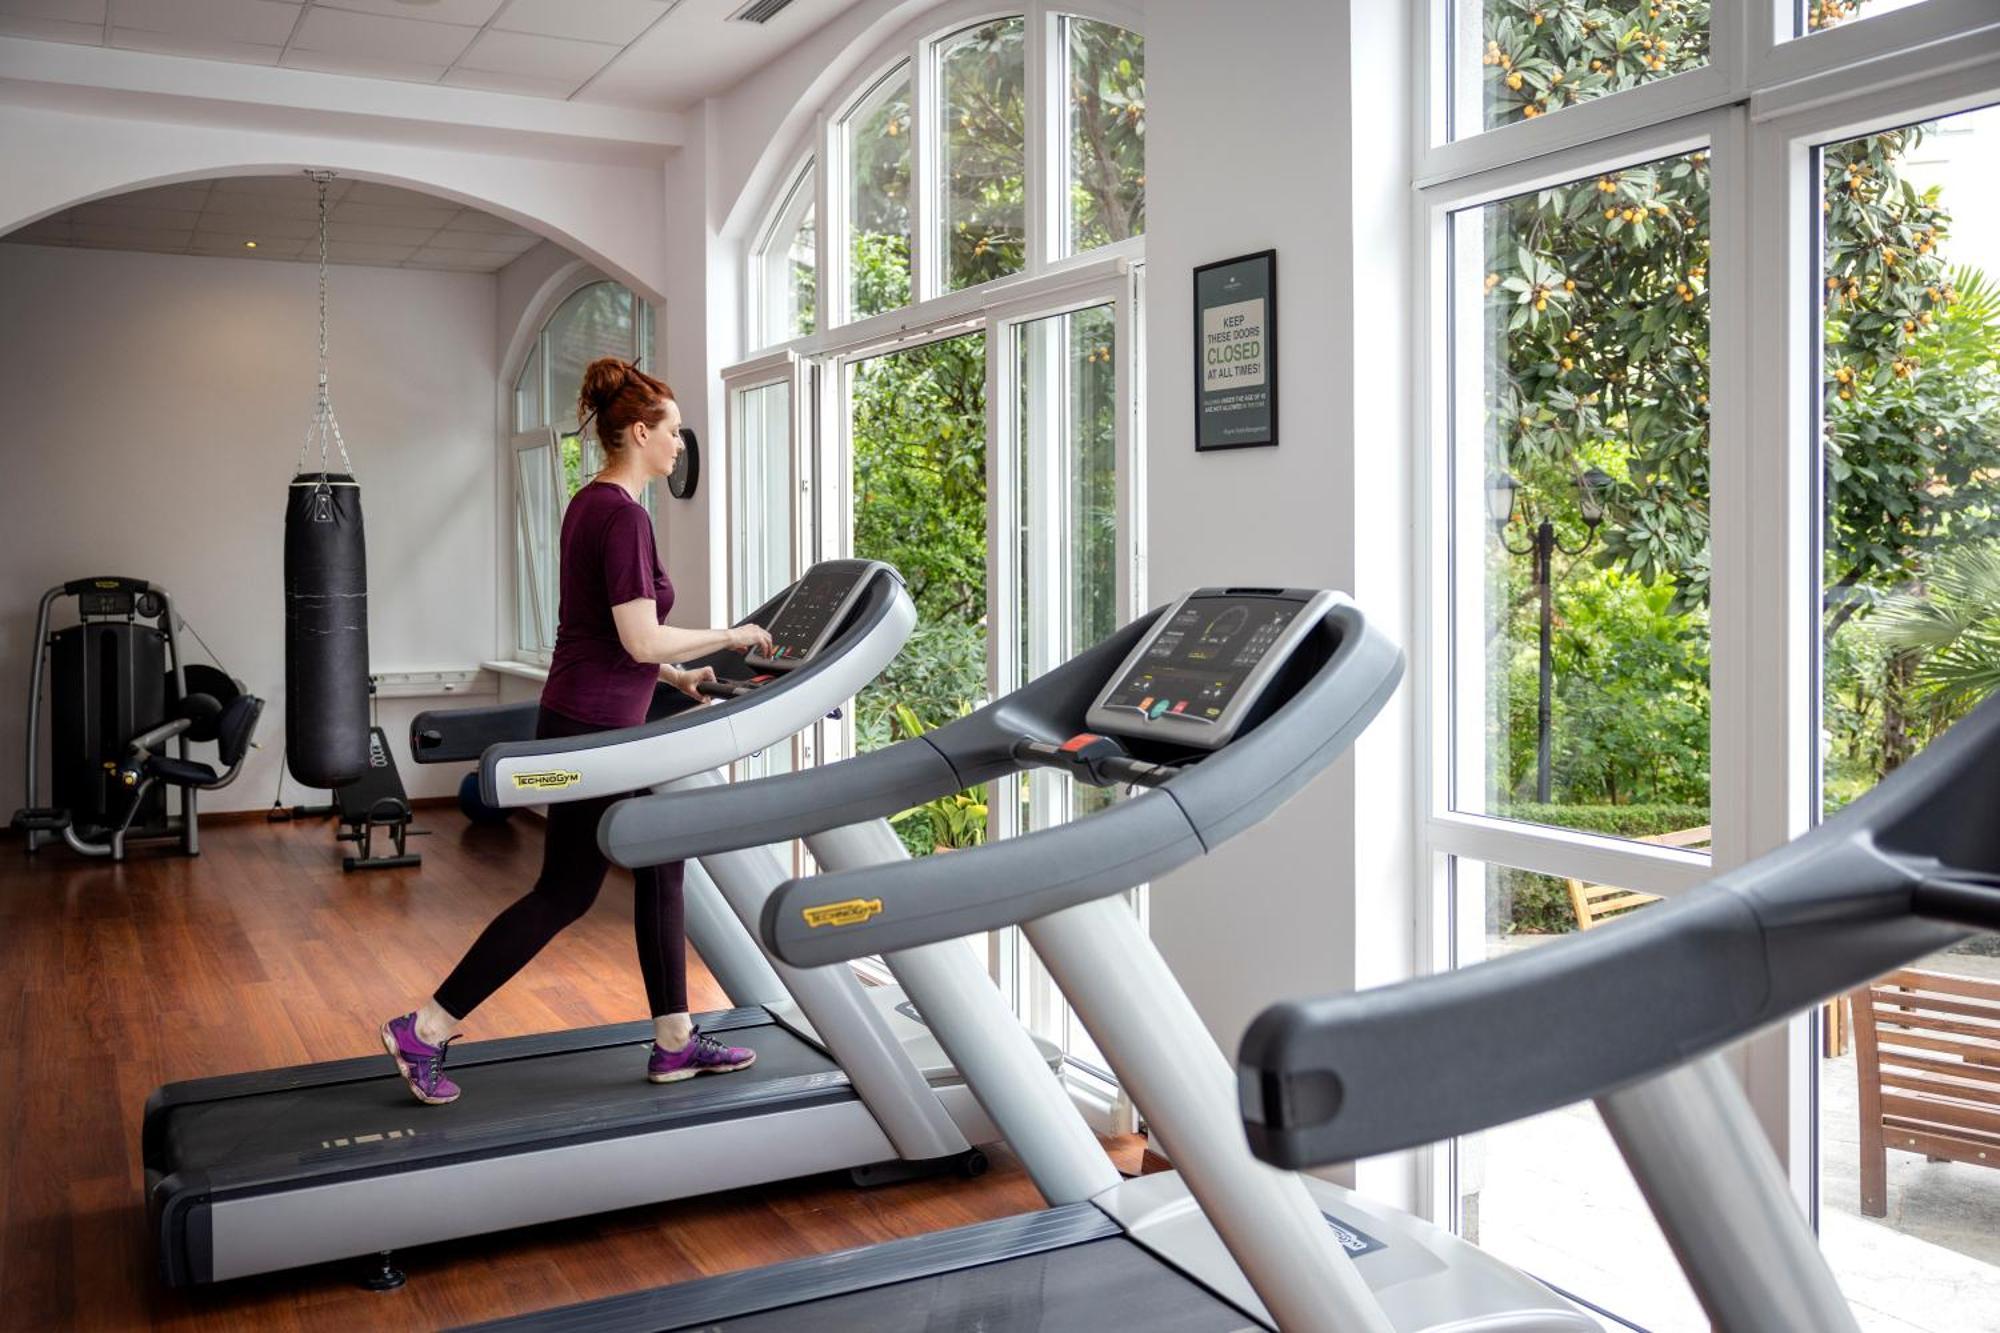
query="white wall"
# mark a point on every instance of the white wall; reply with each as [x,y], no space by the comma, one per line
[157,406]
[1257,137]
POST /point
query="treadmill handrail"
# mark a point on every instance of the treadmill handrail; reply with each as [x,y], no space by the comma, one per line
[1342,1077]
[700,738]
[832,918]
[681,825]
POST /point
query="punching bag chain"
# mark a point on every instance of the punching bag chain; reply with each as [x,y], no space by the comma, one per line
[324,423]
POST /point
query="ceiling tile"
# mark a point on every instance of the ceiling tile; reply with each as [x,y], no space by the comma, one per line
[375,192]
[71,11]
[364,252]
[513,244]
[367,66]
[550,57]
[292,185]
[190,197]
[114,212]
[474,220]
[342,232]
[474,13]
[205,48]
[232,244]
[51,30]
[223,204]
[419,212]
[267,22]
[130,238]
[49,231]
[525,85]
[617,21]
[259,225]
[462,261]
[378,37]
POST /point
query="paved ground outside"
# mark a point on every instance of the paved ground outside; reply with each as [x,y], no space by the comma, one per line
[1554,1198]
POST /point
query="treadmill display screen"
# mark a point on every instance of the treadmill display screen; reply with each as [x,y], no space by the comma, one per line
[807,616]
[1198,661]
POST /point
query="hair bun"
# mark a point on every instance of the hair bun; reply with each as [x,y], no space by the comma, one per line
[602,379]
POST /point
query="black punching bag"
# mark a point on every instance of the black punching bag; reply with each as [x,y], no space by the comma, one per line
[326,631]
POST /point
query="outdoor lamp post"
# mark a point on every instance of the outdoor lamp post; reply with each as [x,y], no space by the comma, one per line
[1591,488]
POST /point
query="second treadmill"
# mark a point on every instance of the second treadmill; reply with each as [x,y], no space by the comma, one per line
[255,1172]
[1220,707]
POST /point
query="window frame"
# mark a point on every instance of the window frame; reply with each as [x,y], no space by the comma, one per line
[917,45]
[758,296]
[1765,103]
[551,431]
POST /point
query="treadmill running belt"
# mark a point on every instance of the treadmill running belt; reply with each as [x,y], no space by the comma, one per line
[1061,1270]
[558,1096]
[1077,1289]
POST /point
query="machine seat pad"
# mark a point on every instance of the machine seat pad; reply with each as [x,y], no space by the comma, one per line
[180,772]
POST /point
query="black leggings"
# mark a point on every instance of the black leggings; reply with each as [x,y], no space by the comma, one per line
[572,870]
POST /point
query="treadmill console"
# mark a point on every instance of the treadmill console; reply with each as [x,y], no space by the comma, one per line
[816,606]
[1194,679]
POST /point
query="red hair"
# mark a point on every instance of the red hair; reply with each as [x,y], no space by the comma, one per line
[617,394]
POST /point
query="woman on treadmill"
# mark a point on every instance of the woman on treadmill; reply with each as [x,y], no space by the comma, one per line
[612,645]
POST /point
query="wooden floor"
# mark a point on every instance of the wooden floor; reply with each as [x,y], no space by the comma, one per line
[114,979]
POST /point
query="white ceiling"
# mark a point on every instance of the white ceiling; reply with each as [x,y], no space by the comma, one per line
[655,54]
[367,223]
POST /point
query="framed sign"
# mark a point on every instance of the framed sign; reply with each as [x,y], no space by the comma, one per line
[1236,352]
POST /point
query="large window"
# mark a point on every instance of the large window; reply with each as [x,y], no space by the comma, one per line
[1580,486]
[554,456]
[1907,308]
[995,150]
[880,148]
[982,169]
[784,271]
[1713,396]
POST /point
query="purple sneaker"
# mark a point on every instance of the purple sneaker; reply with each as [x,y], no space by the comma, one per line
[420,1063]
[702,1055]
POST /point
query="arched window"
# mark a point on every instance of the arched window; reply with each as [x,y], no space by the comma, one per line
[553,457]
[784,269]
[954,164]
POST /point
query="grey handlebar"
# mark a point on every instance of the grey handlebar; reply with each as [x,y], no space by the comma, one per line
[829,918]
[1897,875]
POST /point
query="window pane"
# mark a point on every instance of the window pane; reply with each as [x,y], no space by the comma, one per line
[760,497]
[878,198]
[1066,463]
[982,75]
[1910,550]
[1107,134]
[528,393]
[919,431]
[577,468]
[535,548]
[1579,488]
[1517,59]
[1551,1194]
[596,321]
[787,269]
[1811,16]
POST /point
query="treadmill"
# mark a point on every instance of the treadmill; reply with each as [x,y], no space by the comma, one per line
[1218,708]
[1909,869]
[256,1172]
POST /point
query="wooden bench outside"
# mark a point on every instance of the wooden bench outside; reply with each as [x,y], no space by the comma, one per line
[1927,1063]
[1594,903]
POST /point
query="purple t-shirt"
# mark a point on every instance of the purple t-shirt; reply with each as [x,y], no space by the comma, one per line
[608,559]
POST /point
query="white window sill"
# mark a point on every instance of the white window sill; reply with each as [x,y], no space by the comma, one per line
[523,670]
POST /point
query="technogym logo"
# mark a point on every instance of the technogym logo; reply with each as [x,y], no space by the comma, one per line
[850,913]
[551,780]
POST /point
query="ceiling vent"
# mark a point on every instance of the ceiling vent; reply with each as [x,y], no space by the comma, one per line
[759,11]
